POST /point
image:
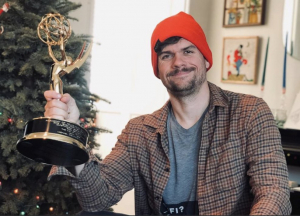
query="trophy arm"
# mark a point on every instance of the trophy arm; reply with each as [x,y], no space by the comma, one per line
[62,50]
[81,52]
[51,54]
[79,61]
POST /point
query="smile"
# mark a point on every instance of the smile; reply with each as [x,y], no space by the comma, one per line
[182,72]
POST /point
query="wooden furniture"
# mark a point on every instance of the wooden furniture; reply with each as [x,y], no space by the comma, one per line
[291,146]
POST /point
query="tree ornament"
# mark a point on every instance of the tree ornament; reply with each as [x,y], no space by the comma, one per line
[37,197]
[4,8]
[22,213]
[10,120]
[16,191]
[51,209]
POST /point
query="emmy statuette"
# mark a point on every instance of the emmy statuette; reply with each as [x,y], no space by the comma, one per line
[48,140]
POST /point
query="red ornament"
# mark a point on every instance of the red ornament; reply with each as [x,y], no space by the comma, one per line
[82,119]
[85,126]
[10,120]
[4,8]
[37,197]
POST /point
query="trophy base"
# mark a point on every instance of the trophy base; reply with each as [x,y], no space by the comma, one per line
[54,142]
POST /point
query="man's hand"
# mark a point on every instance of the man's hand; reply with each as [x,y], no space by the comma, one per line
[61,107]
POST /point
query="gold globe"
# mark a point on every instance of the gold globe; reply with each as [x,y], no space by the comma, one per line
[54,29]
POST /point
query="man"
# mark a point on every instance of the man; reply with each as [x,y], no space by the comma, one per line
[206,151]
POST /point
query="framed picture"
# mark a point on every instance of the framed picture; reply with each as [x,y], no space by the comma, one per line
[243,13]
[239,62]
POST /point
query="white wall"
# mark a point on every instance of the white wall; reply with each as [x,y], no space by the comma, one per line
[209,14]
[85,15]
[84,25]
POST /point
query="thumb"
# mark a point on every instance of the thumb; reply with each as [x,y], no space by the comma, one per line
[73,111]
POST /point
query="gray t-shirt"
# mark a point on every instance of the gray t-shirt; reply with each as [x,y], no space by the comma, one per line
[179,196]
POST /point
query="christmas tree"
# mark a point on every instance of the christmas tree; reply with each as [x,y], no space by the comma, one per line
[24,76]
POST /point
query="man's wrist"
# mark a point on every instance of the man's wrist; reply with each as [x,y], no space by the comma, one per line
[75,170]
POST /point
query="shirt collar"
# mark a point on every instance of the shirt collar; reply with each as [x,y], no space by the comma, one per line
[217,97]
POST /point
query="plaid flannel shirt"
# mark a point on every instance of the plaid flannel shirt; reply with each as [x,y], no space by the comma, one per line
[241,165]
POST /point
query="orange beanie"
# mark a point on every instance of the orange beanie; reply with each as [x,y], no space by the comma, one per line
[181,25]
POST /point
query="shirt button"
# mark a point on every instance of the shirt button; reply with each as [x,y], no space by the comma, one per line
[167,169]
[156,198]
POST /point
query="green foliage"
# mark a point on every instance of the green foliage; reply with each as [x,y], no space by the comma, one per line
[24,76]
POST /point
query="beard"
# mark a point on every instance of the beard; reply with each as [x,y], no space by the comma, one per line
[188,89]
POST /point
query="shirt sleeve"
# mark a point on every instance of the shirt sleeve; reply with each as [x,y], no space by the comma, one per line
[267,164]
[102,184]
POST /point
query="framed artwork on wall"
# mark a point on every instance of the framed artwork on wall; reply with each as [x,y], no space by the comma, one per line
[239,62]
[243,13]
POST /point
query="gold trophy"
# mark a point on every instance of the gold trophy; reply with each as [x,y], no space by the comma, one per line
[48,140]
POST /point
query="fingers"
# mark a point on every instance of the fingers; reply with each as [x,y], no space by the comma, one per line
[61,106]
[73,112]
[56,104]
[50,95]
[63,116]
[55,108]
[66,98]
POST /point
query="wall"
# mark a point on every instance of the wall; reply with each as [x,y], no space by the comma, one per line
[85,22]
[209,13]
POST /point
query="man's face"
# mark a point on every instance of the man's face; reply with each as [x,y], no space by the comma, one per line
[182,68]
